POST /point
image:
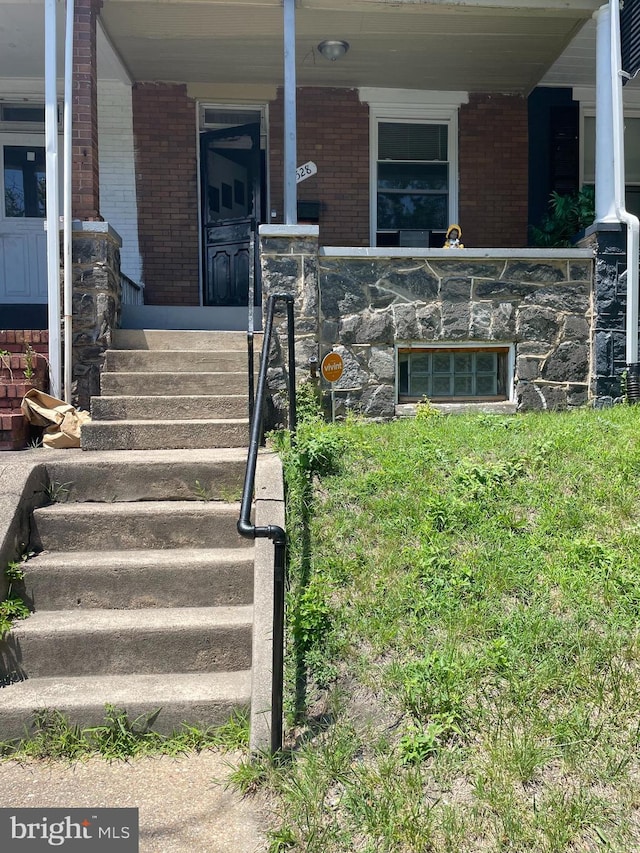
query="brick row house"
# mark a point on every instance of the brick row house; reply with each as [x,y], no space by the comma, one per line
[414,115]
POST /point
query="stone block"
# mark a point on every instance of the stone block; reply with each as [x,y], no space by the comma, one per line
[513,291]
[532,271]
[382,364]
[378,401]
[458,267]
[573,298]
[529,397]
[576,328]
[503,325]
[329,331]
[480,322]
[406,325]
[376,328]
[577,395]
[429,321]
[535,323]
[580,270]
[339,297]
[349,328]
[569,362]
[528,368]
[456,321]
[555,397]
[455,289]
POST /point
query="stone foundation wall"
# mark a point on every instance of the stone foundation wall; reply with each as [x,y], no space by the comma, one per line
[96,307]
[364,304]
[610,314]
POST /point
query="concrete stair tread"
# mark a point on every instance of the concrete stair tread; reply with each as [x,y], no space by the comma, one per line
[176,361]
[169,422]
[170,374]
[176,398]
[157,434]
[136,525]
[150,457]
[123,508]
[195,698]
[155,687]
[161,339]
[172,383]
[151,558]
[129,580]
[160,619]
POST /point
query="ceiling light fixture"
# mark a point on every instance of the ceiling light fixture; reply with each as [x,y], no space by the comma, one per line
[333,49]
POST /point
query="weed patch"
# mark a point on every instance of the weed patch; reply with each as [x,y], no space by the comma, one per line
[119,737]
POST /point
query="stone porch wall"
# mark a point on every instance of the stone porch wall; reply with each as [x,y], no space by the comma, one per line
[96,305]
[363,303]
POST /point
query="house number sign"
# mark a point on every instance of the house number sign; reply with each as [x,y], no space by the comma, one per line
[306,171]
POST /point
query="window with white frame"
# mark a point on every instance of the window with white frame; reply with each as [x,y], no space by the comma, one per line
[412,182]
[631,157]
[453,374]
[414,165]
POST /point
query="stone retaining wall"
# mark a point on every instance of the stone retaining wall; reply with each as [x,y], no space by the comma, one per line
[363,304]
[96,305]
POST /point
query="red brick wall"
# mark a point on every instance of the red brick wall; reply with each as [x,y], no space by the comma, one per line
[86,177]
[164,125]
[333,132]
[493,158]
[14,429]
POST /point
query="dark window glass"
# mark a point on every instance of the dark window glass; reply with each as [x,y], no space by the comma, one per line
[24,181]
[407,210]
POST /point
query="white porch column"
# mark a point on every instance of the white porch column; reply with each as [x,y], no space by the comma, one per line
[605,170]
[52,207]
[290,119]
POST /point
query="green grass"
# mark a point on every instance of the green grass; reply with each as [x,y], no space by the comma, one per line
[118,737]
[463,636]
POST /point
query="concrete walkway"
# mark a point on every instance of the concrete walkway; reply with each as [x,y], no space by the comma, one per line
[183,804]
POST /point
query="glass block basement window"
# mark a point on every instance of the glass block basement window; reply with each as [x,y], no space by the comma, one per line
[449,374]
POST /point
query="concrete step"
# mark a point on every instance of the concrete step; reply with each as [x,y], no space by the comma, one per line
[112,642]
[147,475]
[172,384]
[158,435]
[205,699]
[176,361]
[135,526]
[174,408]
[188,577]
[161,339]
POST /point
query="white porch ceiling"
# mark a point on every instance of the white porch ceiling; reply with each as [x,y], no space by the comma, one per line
[496,45]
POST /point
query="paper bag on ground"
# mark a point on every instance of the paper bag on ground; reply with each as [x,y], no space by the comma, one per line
[63,421]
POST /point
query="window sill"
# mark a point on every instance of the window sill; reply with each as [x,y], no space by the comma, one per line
[504,407]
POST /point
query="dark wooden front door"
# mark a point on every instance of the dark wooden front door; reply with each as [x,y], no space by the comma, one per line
[230,172]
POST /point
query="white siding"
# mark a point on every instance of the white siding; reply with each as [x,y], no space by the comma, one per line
[118,204]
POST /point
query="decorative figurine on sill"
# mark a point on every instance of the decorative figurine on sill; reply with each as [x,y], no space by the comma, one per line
[454,238]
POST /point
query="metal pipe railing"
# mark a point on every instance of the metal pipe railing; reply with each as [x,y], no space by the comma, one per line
[272,531]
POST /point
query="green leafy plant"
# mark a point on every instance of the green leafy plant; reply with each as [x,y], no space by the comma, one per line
[12,607]
[425,410]
[569,214]
[30,356]
[57,492]
[5,362]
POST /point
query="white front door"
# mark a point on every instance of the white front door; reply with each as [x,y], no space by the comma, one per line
[23,250]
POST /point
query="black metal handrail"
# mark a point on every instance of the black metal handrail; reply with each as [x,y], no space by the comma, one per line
[272,531]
